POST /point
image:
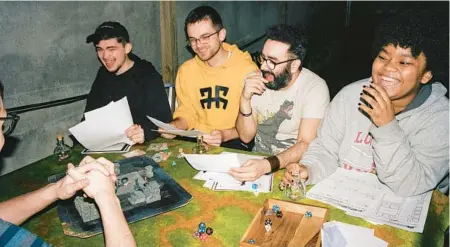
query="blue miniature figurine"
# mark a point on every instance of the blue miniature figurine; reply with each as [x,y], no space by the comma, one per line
[275,208]
[202,227]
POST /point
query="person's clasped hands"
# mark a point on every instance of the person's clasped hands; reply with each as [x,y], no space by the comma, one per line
[95,177]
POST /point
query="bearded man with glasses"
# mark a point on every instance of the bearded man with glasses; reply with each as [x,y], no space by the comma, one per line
[209,86]
[281,105]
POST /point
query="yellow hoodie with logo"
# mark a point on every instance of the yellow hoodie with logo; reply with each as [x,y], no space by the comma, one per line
[208,97]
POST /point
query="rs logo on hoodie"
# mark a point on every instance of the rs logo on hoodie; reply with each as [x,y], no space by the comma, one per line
[217,98]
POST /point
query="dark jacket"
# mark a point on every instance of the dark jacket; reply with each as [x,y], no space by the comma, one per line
[144,89]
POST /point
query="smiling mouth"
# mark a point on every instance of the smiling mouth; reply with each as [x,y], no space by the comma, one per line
[109,63]
[388,81]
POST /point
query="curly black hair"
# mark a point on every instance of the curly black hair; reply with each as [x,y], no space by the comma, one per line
[421,32]
[203,13]
[289,35]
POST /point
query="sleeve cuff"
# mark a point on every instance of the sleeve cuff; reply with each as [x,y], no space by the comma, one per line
[388,130]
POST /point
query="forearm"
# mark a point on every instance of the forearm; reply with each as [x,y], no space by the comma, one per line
[292,154]
[116,230]
[405,166]
[229,134]
[246,126]
[19,209]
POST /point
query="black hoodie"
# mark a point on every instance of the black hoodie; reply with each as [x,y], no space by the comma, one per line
[144,89]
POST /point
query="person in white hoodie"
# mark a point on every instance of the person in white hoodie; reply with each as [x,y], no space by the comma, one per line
[394,124]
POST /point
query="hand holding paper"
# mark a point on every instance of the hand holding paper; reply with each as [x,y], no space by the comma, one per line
[105,126]
[167,128]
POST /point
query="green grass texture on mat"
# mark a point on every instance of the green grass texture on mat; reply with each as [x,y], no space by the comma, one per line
[232,222]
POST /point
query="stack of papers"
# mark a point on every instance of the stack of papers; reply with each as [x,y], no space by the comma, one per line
[214,167]
[169,129]
[363,195]
[344,235]
[105,127]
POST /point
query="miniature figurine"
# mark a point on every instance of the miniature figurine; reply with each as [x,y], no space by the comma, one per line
[201,227]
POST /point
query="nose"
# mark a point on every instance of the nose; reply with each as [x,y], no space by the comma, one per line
[264,65]
[390,66]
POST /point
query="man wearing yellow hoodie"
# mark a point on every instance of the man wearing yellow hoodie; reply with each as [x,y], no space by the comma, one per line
[209,85]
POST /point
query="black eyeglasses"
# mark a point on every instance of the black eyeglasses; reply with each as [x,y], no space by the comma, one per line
[9,124]
[271,64]
[203,40]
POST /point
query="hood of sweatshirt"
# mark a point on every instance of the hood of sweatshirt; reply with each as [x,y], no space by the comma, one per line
[236,59]
[436,98]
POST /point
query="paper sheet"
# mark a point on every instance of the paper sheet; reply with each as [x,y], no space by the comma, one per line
[213,162]
[105,126]
[225,182]
[218,162]
[219,180]
[169,129]
[363,195]
[336,233]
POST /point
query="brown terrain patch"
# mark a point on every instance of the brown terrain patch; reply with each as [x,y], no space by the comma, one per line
[388,236]
[208,205]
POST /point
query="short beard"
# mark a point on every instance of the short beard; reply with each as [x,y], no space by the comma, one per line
[215,53]
[280,81]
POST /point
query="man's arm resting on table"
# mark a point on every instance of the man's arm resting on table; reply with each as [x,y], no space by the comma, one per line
[117,231]
[246,125]
[306,134]
[20,208]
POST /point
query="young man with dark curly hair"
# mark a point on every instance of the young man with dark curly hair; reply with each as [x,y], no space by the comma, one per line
[281,105]
[394,123]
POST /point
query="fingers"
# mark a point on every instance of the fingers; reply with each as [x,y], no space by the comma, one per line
[86,160]
[254,73]
[373,97]
[132,128]
[135,133]
[74,173]
[167,136]
[108,165]
[247,172]
[215,138]
[251,176]
[137,138]
[254,84]
[72,188]
[304,174]
[382,92]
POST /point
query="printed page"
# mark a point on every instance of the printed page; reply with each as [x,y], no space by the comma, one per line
[363,195]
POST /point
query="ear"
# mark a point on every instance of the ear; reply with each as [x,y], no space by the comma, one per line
[222,34]
[128,47]
[426,77]
[295,65]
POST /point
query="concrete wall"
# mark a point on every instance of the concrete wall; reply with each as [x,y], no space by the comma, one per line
[244,21]
[44,57]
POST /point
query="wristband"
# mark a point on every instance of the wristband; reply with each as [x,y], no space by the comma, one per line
[246,115]
[274,163]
